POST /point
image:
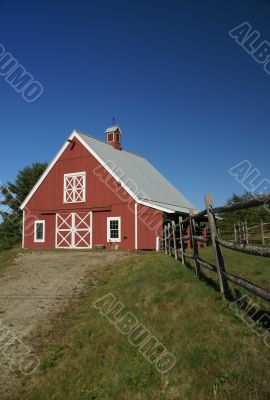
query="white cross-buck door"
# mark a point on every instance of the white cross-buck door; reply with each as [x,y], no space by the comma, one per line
[74,230]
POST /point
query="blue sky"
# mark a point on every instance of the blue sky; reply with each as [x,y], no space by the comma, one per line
[184,93]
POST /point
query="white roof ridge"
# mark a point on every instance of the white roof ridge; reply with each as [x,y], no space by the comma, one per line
[146,180]
[102,141]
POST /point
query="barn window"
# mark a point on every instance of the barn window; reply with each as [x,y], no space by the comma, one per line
[110,137]
[74,187]
[114,229]
[39,231]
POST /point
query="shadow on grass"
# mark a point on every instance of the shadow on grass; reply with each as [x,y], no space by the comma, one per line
[257,313]
[209,281]
[245,306]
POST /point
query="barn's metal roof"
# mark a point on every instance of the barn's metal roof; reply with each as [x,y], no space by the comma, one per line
[139,176]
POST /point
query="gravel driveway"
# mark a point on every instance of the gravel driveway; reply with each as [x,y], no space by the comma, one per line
[42,282]
[38,285]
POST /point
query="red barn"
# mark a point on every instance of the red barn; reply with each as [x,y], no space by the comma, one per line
[94,193]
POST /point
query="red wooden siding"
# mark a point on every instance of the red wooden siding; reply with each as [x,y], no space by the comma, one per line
[150,225]
[103,196]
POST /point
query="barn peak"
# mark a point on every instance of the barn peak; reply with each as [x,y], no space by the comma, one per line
[113,136]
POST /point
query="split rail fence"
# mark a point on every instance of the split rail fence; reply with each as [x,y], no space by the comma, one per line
[244,233]
[174,244]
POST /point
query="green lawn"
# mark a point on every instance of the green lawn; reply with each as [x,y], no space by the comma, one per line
[84,357]
[253,268]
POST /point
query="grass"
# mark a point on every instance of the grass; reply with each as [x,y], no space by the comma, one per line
[253,268]
[83,356]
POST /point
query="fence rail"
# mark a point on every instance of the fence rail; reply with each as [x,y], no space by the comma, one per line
[245,248]
[174,244]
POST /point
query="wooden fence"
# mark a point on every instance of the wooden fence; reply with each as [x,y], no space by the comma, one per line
[245,233]
[174,242]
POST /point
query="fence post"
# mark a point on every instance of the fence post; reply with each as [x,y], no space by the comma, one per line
[246,230]
[194,243]
[165,239]
[169,239]
[243,232]
[205,237]
[235,233]
[174,240]
[240,232]
[263,241]
[224,289]
[181,239]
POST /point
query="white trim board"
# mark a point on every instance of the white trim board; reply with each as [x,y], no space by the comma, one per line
[73,135]
[136,225]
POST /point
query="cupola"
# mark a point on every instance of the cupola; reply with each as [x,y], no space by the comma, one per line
[113,136]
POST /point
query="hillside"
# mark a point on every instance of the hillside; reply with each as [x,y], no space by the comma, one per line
[83,355]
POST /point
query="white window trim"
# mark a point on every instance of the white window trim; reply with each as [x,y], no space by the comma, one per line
[109,239]
[35,231]
[113,137]
[74,174]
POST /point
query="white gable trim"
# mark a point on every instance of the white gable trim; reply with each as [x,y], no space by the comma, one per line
[167,210]
[44,175]
[61,151]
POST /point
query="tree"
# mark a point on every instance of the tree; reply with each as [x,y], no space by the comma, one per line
[253,216]
[11,197]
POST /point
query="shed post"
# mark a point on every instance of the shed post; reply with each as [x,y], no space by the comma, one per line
[174,240]
[165,239]
[181,239]
[194,243]
[169,239]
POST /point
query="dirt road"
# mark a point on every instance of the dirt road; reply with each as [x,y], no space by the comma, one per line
[39,283]
[37,286]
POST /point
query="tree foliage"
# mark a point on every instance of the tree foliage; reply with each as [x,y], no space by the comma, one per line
[12,196]
[253,216]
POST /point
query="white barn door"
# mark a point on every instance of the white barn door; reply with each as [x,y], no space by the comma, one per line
[74,230]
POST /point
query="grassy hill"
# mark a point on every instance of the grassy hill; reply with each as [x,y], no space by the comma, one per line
[84,357]
[253,268]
